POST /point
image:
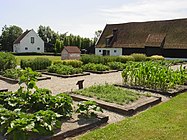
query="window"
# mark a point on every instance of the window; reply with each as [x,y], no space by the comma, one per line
[99,50]
[26,48]
[108,42]
[32,40]
[115,51]
[38,48]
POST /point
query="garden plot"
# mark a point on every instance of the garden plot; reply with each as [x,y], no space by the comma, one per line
[123,101]
[11,76]
[154,77]
[32,113]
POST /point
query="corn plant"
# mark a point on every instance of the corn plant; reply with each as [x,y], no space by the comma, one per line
[153,75]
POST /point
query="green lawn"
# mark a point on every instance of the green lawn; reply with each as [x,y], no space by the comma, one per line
[110,93]
[52,58]
[167,121]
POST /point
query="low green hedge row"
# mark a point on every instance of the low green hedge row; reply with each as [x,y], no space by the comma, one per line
[36,64]
[7,61]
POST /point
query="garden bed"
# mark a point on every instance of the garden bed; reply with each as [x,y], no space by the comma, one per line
[15,81]
[127,109]
[76,126]
[170,93]
[116,99]
[66,76]
[102,72]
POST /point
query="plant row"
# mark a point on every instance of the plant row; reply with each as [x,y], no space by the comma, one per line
[31,112]
[153,75]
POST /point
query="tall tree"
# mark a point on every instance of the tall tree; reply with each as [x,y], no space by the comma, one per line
[8,36]
[97,35]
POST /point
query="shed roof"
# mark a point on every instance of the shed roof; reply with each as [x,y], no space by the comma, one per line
[21,37]
[72,49]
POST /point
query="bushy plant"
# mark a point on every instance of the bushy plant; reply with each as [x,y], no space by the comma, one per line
[36,64]
[7,61]
[125,58]
[116,65]
[156,57]
[139,56]
[73,63]
[64,70]
[95,67]
[12,73]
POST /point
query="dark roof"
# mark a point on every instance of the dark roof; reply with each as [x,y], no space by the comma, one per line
[139,34]
[21,37]
[155,40]
[72,49]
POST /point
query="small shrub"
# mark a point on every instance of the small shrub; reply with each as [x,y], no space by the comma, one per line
[64,70]
[36,64]
[116,65]
[139,56]
[156,57]
[7,61]
[12,73]
[95,67]
[125,58]
[73,63]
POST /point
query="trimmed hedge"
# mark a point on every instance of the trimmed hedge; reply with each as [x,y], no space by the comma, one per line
[64,70]
[139,57]
[7,61]
[36,64]
[95,67]
[73,63]
[116,65]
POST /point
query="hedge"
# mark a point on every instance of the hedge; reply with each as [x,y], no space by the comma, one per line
[7,61]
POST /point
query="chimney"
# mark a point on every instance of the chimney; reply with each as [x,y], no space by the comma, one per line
[114,32]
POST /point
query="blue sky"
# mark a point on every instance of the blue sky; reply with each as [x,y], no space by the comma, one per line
[84,17]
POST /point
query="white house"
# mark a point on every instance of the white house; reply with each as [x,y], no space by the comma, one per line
[70,52]
[107,47]
[29,41]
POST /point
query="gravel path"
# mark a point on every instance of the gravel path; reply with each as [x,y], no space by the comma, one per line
[58,85]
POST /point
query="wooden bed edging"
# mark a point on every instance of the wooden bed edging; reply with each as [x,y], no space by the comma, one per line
[77,131]
[67,76]
[120,109]
[15,81]
[102,72]
[169,94]
[4,90]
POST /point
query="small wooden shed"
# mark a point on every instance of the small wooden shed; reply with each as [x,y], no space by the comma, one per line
[70,52]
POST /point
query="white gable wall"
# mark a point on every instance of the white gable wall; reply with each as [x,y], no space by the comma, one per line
[25,44]
[112,51]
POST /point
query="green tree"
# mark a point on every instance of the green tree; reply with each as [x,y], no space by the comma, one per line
[8,36]
[97,35]
[58,46]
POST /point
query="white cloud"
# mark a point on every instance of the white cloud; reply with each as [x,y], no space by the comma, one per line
[144,10]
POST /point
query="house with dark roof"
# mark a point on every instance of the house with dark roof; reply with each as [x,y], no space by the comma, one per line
[70,52]
[29,41]
[167,38]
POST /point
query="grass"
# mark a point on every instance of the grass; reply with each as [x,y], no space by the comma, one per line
[167,121]
[110,93]
[52,58]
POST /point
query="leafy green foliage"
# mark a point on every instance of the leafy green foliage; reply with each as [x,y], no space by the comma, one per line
[95,67]
[88,108]
[8,36]
[110,93]
[139,56]
[64,70]
[36,63]
[12,73]
[153,75]
[7,61]
[116,65]
[73,63]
